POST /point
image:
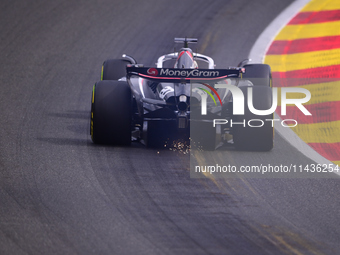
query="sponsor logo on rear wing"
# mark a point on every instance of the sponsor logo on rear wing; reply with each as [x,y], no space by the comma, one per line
[176,75]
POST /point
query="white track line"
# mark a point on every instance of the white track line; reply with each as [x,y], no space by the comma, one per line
[257,54]
[262,44]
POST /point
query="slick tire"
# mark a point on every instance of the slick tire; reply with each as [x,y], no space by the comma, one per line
[114,69]
[203,136]
[248,137]
[111,113]
[258,74]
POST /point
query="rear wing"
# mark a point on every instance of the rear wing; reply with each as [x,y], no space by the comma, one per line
[186,41]
[182,75]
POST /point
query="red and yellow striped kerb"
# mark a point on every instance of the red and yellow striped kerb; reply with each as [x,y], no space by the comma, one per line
[306,53]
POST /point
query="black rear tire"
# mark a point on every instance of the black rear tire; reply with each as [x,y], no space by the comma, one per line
[203,136]
[254,138]
[114,69]
[258,74]
[111,113]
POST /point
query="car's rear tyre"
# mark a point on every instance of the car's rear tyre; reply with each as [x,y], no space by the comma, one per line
[111,112]
[258,74]
[250,138]
[114,69]
[203,136]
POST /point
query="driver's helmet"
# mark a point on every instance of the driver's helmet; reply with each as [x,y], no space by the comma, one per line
[185,59]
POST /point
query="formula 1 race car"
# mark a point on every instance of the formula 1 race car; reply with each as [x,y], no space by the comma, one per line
[183,97]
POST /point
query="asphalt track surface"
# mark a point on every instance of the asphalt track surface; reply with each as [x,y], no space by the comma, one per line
[60,194]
